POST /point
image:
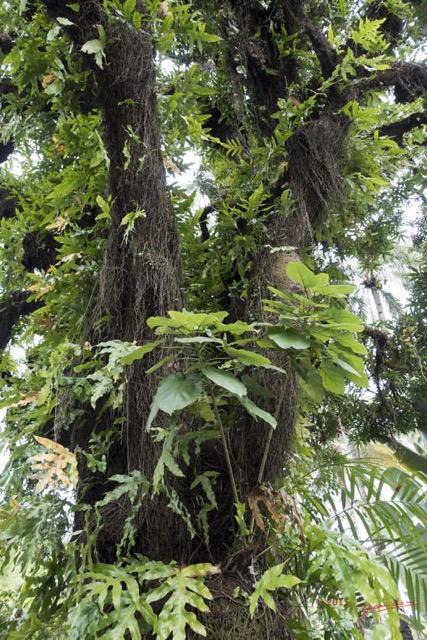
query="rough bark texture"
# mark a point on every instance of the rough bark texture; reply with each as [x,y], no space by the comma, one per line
[140,276]
[229,620]
[315,158]
[252,47]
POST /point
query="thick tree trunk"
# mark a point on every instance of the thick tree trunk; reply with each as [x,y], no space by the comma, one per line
[141,273]
[140,276]
[315,160]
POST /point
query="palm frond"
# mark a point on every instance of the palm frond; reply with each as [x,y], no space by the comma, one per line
[385,508]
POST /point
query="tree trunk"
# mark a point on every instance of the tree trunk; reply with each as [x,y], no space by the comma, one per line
[379,307]
[405,630]
[141,277]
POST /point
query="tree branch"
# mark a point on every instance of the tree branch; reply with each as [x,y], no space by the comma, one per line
[397,130]
[6,42]
[6,149]
[12,309]
[39,250]
[8,204]
[408,78]
[328,58]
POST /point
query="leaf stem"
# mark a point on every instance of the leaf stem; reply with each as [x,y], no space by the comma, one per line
[266,452]
[225,446]
[269,438]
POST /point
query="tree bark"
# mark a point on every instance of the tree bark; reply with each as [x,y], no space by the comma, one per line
[141,277]
[379,307]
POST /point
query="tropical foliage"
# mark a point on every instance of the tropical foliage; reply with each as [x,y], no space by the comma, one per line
[193,197]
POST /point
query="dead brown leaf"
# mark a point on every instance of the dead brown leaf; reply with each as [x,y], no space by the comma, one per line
[264,496]
[50,467]
[24,401]
[48,79]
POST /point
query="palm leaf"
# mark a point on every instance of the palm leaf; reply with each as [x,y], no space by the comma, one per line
[388,508]
[412,460]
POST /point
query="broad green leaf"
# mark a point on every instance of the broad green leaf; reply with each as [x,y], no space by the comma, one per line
[104,206]
[335,290]
[170,463]
[289,296]
[140,352]
[255,387]
[332,378]
[352,365]
[300,273]
[95,48]
[205,480]
[128,8]
[344,365]
[177,391]
[236,328]
[200,570]
[183,590]
[361,380]
[347,340]
[288,338]
[312,388]
[197,321]
[271,580]
[160,321]
[133,484]
[203,409]
[103,384]
[210,37]
[166,460]
[322,333]
[255,411]
[342,319]
[266,343]
[247,357]
[65,21]
[154,410]
[225,380]
[155,570]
